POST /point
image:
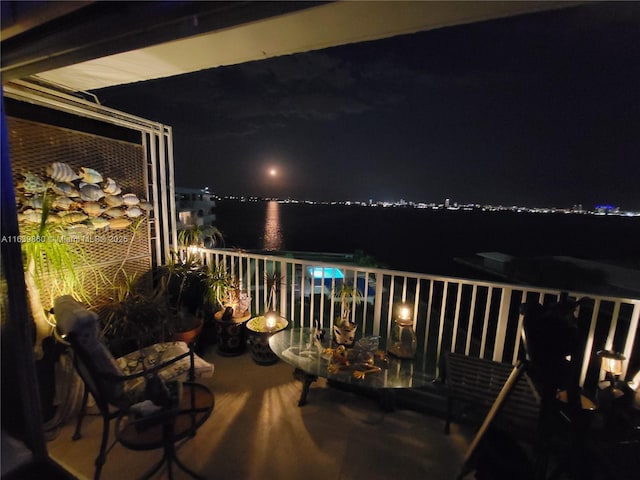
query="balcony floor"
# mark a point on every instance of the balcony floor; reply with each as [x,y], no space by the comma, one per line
[257,431]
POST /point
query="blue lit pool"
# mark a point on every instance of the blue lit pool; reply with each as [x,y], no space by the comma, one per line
[325,272]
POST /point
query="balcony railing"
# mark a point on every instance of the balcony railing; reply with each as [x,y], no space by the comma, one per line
[473,317]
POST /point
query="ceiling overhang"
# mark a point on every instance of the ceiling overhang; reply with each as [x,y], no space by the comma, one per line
[236,32]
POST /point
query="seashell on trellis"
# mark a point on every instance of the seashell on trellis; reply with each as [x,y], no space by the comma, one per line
[90,175]
[146,206]
[114,212]
[98,222]
[32,183]
[133,211]
[35,202]
[93,209]
[113,200]
[91,192]
[62,203]
[110,187]
[65,189]
[53,218]
[74,217]
[78,229]
[130,199]
[119,223]
[61,172]
[31,216]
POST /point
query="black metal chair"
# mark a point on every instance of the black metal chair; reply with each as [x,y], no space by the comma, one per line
[102,376]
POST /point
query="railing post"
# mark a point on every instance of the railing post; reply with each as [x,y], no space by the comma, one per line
[377,308]
[503,320]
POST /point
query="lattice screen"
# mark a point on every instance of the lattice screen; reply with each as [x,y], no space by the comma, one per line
[34,146]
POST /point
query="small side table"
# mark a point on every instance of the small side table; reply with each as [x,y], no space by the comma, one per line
[231,335]
[196,404]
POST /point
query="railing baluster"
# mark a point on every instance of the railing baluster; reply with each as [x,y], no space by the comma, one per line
[590,337]
[485,325]
[503,321]
[472,313]
[456,318]
[445,291]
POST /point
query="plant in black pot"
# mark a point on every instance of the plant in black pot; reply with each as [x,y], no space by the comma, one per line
[232,305]
[263,327]
[135,317]
[186,282]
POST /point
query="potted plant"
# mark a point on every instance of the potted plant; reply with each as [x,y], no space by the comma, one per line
[136,316]
[262,327]
[186,283]
[344,330]
[232,304]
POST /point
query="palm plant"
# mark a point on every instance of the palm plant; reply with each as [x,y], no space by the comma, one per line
[350,296]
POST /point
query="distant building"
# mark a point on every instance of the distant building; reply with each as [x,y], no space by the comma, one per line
[195,207]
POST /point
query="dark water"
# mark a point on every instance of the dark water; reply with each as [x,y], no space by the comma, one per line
[425,241]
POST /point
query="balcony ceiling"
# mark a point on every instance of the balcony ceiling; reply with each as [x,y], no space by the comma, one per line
[92,45]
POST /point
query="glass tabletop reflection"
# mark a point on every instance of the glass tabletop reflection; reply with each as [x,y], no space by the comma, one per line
[357,366]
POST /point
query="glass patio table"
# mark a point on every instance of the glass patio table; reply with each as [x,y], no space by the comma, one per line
[313,358]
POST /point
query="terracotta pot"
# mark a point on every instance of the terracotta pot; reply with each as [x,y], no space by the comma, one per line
[189,336]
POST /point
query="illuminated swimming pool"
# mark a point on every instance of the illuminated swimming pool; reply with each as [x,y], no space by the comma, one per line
[325,272]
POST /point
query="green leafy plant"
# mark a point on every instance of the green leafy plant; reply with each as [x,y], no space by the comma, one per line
[51,257]
[135,317]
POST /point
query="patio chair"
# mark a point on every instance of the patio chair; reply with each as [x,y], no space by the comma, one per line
[104,377]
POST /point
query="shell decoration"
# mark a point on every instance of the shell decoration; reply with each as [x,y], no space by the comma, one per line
[33,183]
[35,202]
[62,203]
[31,216]
[133,212]
[78,229]
[130,199]
[54,218]
[74,217]
[98,222]
[65,189]
[146,206]
[89,175]
[91,192]
[82,201]
[110,187]
[93,209]
[113,200]
[61,172]
[114,212]
[119,223]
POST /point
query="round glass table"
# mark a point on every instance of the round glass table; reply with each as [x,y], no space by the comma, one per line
[363,367]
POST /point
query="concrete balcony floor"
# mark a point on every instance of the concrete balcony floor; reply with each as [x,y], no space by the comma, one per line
[257,431]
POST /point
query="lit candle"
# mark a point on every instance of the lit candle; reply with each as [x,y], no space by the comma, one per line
[270,320]
[404,312]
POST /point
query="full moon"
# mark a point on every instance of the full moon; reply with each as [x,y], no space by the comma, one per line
[273,172]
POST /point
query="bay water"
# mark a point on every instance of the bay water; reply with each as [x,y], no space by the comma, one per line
[425,240]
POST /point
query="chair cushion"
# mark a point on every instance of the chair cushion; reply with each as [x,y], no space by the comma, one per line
[82,329]
[162,352]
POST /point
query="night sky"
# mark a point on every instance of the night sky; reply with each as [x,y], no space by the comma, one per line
[535,110]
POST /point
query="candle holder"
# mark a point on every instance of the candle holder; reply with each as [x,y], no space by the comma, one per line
[403,341]
[612,365]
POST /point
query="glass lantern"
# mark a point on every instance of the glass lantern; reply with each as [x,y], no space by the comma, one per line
[403,341]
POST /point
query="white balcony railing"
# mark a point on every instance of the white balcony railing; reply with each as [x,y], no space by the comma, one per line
[476,318]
